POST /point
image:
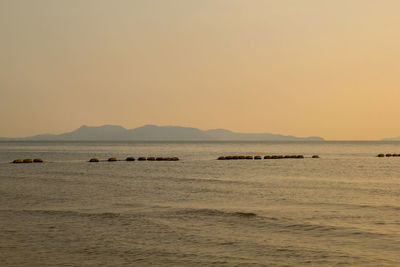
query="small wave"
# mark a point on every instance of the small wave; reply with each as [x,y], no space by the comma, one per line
[215,212]
[330,230]
[205,180]
[106,215]
[311,227]
[66,213]
[245,214]
[353,206]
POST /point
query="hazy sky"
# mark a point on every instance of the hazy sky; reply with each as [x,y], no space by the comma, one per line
[310,67]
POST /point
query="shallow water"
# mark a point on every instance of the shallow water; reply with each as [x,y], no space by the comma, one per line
[341,209]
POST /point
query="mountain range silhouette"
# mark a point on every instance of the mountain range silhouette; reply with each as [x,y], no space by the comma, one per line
[159,133]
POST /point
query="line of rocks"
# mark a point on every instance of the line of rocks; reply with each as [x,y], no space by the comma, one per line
[265,157]
[139,159]
[241,157]
[388,155]
[17,161]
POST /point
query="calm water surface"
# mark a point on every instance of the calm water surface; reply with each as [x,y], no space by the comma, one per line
[342,209]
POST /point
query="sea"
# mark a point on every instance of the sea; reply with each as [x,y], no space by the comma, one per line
[341,209]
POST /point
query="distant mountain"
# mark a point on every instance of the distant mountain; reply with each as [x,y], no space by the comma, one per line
[166,133]
[159,133]
[85,133]
[226,135]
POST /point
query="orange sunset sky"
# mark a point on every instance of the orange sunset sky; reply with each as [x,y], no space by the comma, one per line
[312,67]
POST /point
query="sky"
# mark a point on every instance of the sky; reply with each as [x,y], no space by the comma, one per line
[304,68]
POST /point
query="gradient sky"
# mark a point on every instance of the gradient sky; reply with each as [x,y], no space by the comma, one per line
[312,67]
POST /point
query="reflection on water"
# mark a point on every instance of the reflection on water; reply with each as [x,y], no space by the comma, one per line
[341,209]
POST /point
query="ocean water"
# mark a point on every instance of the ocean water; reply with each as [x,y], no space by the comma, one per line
[339,210]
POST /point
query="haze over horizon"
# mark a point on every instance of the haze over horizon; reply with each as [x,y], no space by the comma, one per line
[303,68]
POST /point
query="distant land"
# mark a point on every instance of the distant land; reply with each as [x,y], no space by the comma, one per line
[391,139]
[158,133]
